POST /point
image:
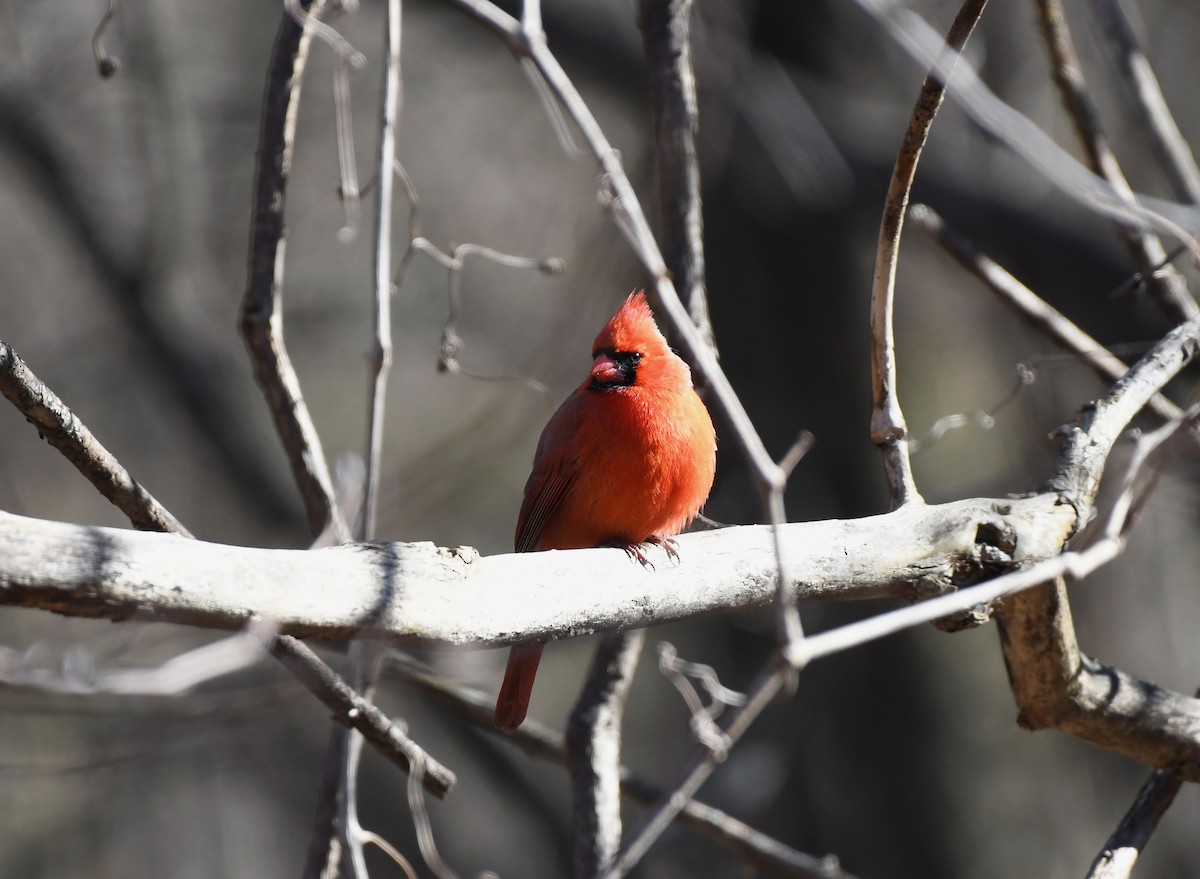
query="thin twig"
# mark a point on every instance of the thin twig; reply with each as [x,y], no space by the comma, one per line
[351,709]
[57,424]
[106,65]
[364,662]
[593,743]
[364,658]
[262,305]
[703,717]
[760,851]
[1121,850]
[1166,284]
[380,361]
[888,429]
[349,59]
[179,675]
[770,682]
[1173,150]
[1026,140]
[1040,314]
[451,342]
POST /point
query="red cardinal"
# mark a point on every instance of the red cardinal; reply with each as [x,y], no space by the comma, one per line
[627,459]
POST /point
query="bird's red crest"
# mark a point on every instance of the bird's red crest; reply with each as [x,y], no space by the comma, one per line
[632,328]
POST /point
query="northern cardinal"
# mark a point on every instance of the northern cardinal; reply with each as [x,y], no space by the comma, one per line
[628,459]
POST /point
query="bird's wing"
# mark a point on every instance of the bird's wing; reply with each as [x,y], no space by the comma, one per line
[554,469]
[542,497]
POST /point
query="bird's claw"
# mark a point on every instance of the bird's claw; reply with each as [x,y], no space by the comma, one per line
[637,550]
[634,551]
[669,546]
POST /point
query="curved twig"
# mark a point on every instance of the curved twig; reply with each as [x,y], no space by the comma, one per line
[888,429]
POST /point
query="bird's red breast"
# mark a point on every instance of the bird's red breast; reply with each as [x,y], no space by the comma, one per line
[628,457]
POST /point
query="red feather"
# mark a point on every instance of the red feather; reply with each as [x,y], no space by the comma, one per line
[628,458]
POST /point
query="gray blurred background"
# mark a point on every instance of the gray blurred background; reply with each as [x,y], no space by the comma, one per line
[124,210]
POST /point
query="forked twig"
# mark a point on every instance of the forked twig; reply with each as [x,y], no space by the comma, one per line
[760,851]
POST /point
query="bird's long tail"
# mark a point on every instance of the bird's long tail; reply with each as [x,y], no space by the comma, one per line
[513,701]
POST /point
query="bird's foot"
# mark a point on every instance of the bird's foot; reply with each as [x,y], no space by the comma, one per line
[669,546]
[637,550]
[634,551]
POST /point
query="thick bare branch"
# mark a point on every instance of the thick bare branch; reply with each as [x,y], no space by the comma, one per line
[1056,686]
[593,742]
[888,429]
[1083,456]
[417,592]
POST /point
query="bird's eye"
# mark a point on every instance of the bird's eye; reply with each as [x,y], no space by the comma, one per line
[635,357]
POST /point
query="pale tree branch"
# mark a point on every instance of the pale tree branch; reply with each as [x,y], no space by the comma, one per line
[888,429]
[1083,456]
[1165,283]
[416,592]
[420,593]
[380,361]
[593,741]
